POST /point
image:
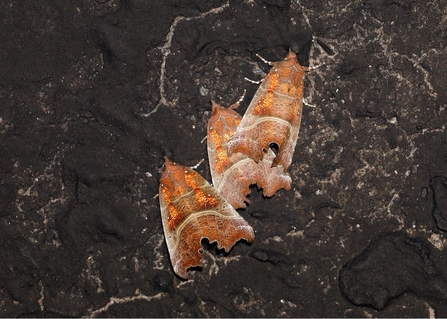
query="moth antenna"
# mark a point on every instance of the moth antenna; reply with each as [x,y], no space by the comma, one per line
[253,81]
[203,140]
[242,96]
[238,102]
[198,164]
[264,60]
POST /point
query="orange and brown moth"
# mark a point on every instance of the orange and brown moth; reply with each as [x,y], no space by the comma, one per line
[191,210]
[233,175]
[274,114]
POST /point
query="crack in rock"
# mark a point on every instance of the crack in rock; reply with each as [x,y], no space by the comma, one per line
[115,300]
[439,186]
[166,51]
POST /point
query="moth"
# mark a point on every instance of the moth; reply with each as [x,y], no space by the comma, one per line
[233,175]
[191,210]
[273,117]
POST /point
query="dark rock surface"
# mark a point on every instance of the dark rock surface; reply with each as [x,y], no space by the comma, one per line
[392,264]
[438,185]
[94,93]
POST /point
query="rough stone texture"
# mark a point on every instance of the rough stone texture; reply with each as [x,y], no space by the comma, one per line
[438,185]
[93,93]
[392,264]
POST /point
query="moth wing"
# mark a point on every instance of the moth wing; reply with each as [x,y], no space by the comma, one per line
[274,114]
[191,210]
[272,178]
[248,138]
[285,153]
[231,175]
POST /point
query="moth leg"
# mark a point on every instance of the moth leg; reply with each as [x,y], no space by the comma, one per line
[314,67]
[308,104]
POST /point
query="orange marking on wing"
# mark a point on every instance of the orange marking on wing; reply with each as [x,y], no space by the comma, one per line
[265,103]
[205,201]
[221,159]
[173,213]
[197,211]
